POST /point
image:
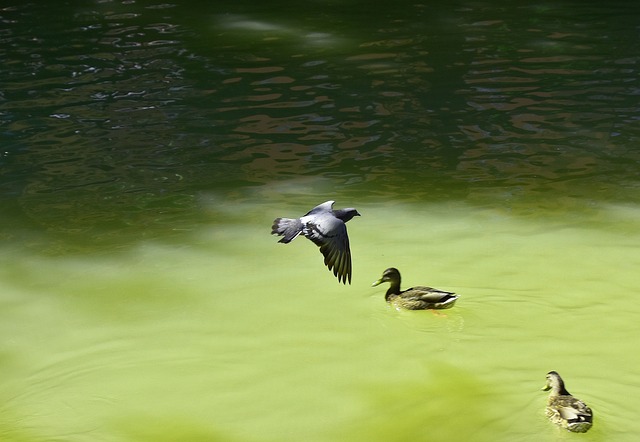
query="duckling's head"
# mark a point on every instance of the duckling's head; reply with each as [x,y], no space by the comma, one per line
[555,384]
[391,275]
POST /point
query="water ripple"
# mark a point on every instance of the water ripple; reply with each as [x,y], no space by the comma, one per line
[415,105]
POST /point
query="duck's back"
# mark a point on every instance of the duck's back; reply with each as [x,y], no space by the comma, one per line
[420,298]
[570,413]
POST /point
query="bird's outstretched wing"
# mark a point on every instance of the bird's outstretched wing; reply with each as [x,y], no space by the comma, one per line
[330,234]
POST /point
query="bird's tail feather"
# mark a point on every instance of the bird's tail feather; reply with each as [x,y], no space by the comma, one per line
[288,228]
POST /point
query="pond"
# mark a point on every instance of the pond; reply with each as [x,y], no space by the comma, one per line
[491,149]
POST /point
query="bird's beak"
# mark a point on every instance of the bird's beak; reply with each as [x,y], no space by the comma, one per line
[546,387]
[378,282]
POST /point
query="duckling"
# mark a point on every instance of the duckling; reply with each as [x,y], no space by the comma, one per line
[565,410]
[415,298]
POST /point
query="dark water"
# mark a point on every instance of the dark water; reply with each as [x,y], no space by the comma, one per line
[146,147]
[119,114]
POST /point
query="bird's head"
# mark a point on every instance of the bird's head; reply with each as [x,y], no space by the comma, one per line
[390,275]
[555,383]
[346,214]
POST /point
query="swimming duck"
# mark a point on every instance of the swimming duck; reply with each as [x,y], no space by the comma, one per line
[326,228]
[565,410]
[415,298]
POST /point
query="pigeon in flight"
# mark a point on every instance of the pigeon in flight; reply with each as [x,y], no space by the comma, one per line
[326,228]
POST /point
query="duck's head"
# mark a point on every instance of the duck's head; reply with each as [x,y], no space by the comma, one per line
[390,275]
[555,383]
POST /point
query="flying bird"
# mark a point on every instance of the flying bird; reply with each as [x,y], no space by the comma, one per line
[326,228]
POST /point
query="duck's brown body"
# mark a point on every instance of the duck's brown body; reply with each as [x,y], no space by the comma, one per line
[415,298]
[565,410]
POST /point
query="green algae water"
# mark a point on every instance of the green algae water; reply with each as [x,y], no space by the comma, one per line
[147,147]
[257,341]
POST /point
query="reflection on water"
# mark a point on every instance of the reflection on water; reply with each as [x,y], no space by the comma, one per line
[147,149]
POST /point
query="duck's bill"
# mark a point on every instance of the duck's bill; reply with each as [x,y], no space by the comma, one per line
[378,282]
